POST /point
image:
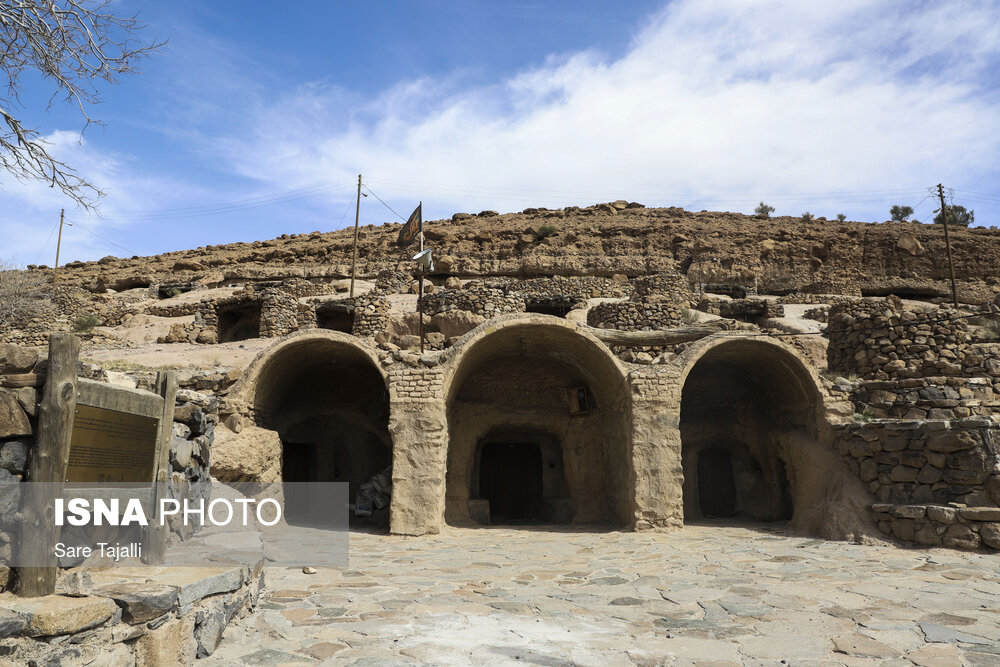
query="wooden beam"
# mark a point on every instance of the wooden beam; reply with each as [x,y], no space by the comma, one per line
[156,535]
[47,463]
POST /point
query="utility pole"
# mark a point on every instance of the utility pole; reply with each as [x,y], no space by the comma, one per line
[354,257]
[55,271]
[947,245]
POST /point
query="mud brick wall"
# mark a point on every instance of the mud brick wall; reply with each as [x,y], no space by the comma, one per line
[916,462]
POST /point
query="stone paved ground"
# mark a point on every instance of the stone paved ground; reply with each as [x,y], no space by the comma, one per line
[720,595]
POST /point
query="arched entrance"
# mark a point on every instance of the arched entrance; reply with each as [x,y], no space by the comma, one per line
[746,404]
[537,428]
[328,402]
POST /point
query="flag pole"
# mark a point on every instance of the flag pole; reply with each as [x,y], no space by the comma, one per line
[354,257]
[420,291]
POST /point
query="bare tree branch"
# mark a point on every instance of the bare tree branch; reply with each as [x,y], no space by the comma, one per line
[75,45]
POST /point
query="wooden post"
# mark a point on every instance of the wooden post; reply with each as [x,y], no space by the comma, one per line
[47,463]
[156,535]
[947,245]
[354,256]
[420,309]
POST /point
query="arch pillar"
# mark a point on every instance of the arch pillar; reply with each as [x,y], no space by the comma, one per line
[657,477]
[419,427]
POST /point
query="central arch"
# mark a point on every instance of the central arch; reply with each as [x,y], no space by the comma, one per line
[537,422]
[327,399]
[750,410]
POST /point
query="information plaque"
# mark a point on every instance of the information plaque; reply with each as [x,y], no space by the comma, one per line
[111,446]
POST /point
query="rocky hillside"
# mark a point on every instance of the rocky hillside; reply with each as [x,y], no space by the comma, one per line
[777,255]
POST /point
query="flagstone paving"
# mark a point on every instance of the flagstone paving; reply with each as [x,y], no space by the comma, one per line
[710,595]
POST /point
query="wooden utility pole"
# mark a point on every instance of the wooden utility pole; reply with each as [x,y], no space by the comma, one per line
[55,271]
[947,245]
[354,257]
[47,463]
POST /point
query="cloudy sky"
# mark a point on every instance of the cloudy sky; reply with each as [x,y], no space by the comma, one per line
[251,124]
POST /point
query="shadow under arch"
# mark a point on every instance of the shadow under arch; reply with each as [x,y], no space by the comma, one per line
[751,417]
[530,392]
[327,398]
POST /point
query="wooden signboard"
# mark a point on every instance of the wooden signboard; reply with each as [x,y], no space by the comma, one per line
[109,444]
[91,432]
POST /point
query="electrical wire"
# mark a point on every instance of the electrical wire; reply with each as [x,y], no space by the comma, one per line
[106,240]
[47,240]
[383,203]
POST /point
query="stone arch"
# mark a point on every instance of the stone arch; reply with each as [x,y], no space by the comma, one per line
[752,426]
[327,398]
[538,379]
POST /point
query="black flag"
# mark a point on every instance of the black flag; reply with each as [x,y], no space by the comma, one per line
[412,228]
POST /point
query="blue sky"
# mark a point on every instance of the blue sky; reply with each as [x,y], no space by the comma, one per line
[253,123]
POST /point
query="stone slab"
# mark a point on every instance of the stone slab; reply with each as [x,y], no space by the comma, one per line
[58,614]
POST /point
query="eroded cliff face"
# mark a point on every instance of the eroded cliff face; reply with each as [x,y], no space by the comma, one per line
[777,255]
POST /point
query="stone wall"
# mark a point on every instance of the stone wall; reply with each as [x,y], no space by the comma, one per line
[821,314]
[671,286]
[910,462]
[952,525]
[944,397]
[371,314]
[573,287]
[122,616]
[393,281]
[278,313]
[880,340]
[750,310]
[173,309]
[635,315]
[476,298]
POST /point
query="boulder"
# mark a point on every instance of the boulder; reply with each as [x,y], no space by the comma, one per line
[253,455]
[14,359]
[13,420]
[909,243]
[59,615]
[172,643]
[140,602]
[456,322]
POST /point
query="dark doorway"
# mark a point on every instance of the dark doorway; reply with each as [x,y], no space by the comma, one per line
[336,317]
[239,322]
[510,478]
[716,485]
[298,464]
[556,307]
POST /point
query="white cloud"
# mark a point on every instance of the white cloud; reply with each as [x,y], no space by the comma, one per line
[716,103]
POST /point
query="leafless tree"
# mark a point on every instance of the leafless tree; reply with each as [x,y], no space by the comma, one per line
[75,46]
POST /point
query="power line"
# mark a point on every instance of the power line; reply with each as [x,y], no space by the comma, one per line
[383,203]
[228,207]
[106,240]
[42,251]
